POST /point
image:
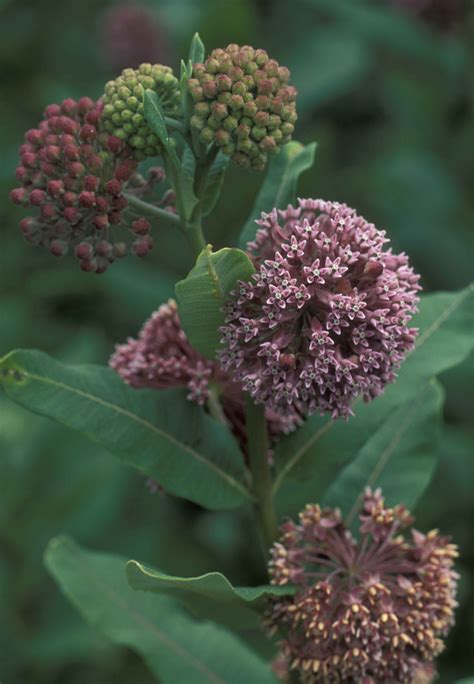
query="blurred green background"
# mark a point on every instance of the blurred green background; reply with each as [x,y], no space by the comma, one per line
[385,90]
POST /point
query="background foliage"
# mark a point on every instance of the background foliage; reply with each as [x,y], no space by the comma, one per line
[385,94]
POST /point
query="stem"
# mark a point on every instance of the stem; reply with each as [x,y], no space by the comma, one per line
[259,466]
[177,125]
[194,228]
[151,210]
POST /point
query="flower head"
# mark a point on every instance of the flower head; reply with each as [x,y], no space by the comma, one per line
[73,176]
[123,114]
[163,357]
[372,610]
[243,103]
[325,317]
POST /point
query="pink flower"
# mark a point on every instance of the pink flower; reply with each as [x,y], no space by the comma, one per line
[371,611]
[325,318]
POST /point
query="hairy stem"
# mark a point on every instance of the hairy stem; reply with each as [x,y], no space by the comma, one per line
[260,468]
[151,210]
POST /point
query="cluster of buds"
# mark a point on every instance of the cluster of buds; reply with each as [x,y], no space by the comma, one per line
[325,318]
[162,357]
[74,177]
[123,113]
[243,103]
[369,611]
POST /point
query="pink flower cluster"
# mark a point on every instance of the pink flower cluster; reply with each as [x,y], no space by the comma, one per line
[163,357]
[73,177]
[369,611]
[325,318]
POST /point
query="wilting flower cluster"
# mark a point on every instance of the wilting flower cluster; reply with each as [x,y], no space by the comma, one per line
[163,357]
[243,103]
[74,176]
[325,317]
[123,113]
[372,610]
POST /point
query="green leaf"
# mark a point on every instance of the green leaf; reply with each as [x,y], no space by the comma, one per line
[196,50]
[209,596]
[181,180]
[400,457]
[309,459]
[279,187]
[214,182]
[202,294]
[144,428]
[176,648]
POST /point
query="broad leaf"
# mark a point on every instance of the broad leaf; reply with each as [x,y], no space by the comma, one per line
[177,649]
[400,457]
[214,182]
[202,294]
[279,187]
[144,428]
[308,460]
[209,596]
[196,50]
[181,180]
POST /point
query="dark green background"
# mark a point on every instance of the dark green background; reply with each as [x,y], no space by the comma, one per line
[386,95]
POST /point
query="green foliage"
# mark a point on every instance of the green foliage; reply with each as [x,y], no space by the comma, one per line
[309,459]
[214,183]
[176,648]
[209,596]
[182,181]
[142,428]
[196,50]
[202,294]
[279,187]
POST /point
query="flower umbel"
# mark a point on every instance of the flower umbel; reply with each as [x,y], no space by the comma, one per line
[123,114]
[243,103]
[372,611]
[325,318]
[73,177]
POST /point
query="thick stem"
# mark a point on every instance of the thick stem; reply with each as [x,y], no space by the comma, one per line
[194,228]
[151,210]
[262,480]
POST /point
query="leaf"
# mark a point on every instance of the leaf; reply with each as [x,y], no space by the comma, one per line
[144,428]
[177,649]
[400,457]
[214,182]
[202,294]
[196,50]
[308,460]
[279,187]
[209,596]
[182,181]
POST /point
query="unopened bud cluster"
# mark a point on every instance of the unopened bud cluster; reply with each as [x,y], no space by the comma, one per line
[243,103]
[123,114]
[373,610]
[73,178]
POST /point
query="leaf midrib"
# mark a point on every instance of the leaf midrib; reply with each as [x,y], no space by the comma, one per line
[147,425]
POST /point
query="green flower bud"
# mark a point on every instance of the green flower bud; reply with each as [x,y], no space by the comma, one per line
[123,105]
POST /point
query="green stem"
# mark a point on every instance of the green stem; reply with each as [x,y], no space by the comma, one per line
[260,468]
[194,228]
[176,125]
[151,210]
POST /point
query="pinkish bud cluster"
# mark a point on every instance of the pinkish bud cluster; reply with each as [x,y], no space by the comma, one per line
[243,104]
[325,318]
[162,357]
[372,610]
[73,177]
[123,113]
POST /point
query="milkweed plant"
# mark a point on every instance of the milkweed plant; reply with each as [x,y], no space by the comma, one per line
[293,376]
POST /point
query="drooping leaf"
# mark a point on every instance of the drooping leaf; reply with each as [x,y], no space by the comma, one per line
[400,457]
[209,596]
[177,649]
[279,187]
[144,428]
[202,294]
[214,182]
[181,180]
[309,459]
[196,50]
